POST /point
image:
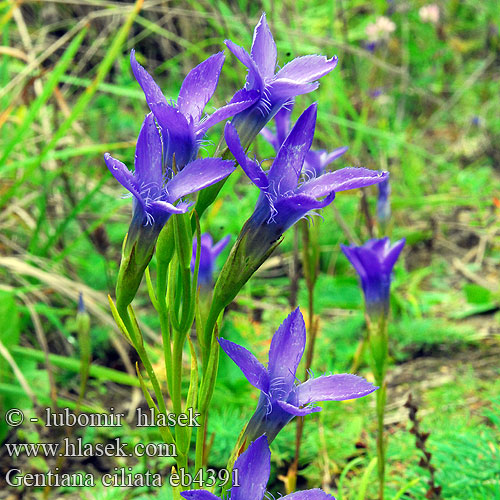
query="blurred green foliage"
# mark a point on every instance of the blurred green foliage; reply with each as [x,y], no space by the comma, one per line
[423,105]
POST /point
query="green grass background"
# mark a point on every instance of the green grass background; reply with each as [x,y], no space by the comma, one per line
[423,105]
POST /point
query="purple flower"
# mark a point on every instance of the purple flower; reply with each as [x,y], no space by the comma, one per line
[208,254]
[377,92]
[281,398]
[315,162]
[283,199]
[274,89]
[81,303]
[374,262]
[383,202]
[155,190]
[370,46]
[182,124]
[253,468]
[283,122]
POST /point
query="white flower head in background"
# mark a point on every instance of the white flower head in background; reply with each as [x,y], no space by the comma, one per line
[429,13]
[381,29]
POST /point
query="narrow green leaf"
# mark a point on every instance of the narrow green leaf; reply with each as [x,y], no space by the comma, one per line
[405,488]
[14,390]
[366,479]
[53,81]
[73,365]
[193,386]
[164,431]
[80,105]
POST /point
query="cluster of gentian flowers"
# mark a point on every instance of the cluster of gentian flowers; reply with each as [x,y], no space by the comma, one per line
[167,169]
[167,173]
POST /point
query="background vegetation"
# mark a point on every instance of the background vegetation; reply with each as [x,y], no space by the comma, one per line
[423,104]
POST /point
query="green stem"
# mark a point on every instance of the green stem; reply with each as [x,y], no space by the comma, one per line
[310,262]
[139,346]
[200,441]
[311,330]
[377,328]
[180,432]
[381,396]
[161,298]
[208,335]
[137,340]
[188,301]
[206,388]
[166,339]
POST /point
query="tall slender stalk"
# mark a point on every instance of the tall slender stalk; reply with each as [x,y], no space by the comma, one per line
[378,340]
[381,444]
[310,263]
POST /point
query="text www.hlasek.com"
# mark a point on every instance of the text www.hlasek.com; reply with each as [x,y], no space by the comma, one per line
[81,449]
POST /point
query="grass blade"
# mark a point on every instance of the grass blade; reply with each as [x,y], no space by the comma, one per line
[54,79]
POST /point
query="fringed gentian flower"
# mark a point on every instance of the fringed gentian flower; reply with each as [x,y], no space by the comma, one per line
[155,193]
[374,262]
[383,202]
[208,255]
[253,468]
[282,202]
[284,199]
[182,124]
[315,162]
[274,89]
[281,398]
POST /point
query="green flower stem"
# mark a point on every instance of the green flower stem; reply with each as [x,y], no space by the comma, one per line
[310,264]
[188,301]
[381,444]
[174,329]
[378,340]
[137,339]
[164,254]
[310,261]
[176,394]
[208,334]
[192,395]
[139,347]
[200,441]
[205,397]
[166,340]
[181,313]
[173,298]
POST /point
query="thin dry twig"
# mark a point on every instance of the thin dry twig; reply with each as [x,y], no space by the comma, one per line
[472,276]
